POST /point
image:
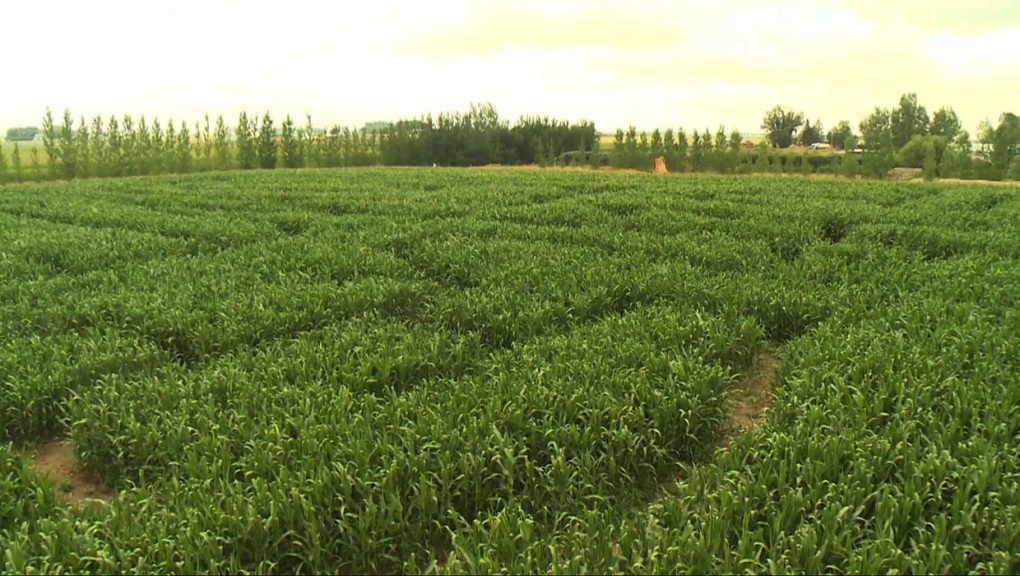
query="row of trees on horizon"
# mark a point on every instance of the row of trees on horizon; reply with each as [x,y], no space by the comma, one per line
[902,136]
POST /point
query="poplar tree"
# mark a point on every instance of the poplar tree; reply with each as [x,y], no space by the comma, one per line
[245,142]
[67,150]
[36,164]
[156,148]
[115,147]
[183,149]
[129,147]
[82,144]
[143,147]
[207,140]
[19,175]
[266,144]
[169,150]
[681,149]
[49,143]
[221,145]
[3,167]
[289,143]
[97,142]
[308,148]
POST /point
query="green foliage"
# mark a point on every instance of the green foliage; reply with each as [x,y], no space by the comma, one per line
[541,158]
[761,163]
[244,140]
[3,167]
[21,134]
[266,151]
[37,173]
[812,134]
[656,146]
[842,136]
[67,151]
[207,139]
[221,145]
[805,166]
[851,165]
[781,125]
[930,163]
[143,147]
[155,149]
[1014,169]
[946,123]
[82,144]
[113,155]
[597,158]
[19,173]
[1005,141]
[915,153]
[182,150]
[697,152]
[290,147]
[876,130]
[130,147]
[527,373]
[907,120]
[49,143]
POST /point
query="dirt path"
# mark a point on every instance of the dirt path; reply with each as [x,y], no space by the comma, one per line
[749,398]
[71,483]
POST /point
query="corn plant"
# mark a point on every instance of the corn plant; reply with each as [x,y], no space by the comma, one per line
[412,370]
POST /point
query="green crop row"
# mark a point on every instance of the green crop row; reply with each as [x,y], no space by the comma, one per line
[483,371]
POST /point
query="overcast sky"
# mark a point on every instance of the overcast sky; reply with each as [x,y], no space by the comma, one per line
[652,63]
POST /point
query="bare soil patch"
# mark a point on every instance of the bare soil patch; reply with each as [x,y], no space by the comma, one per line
[747,403]
[71,483]
[749,398]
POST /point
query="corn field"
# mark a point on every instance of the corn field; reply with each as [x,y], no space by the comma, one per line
[451,371]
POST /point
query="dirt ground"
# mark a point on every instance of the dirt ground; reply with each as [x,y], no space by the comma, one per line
[71,483]
[749,398]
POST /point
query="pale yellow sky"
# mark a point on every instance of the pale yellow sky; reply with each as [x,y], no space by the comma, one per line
[652,63]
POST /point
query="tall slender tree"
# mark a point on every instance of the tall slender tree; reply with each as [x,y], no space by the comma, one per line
[19,174]
[67,151]
[36,164]
[221,145]
[129,147]
[245,141]
[82,144]
[98,143]
[49,132]
[290,144]
[266,144]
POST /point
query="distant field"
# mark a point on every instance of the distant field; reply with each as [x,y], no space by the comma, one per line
[508,371]
[25,147]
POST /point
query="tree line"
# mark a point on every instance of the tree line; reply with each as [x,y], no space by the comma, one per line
[906,135]
[125,146]
[901,136]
